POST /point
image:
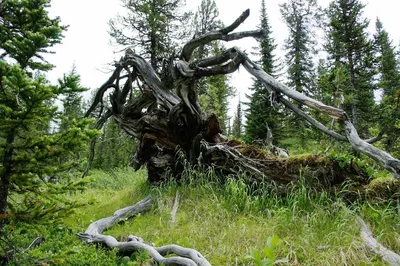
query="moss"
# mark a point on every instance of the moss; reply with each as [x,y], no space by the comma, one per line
[384,188]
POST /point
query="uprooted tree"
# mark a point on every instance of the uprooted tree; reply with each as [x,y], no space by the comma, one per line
[164,114]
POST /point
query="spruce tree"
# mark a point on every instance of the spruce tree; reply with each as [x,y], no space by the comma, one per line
[213,91]
[214,94]
[114,148]
[72,101]
[260,110]
[389,82]
[151,27]
[300,16]
[205,20]
[30,146]
[237,126]
[349,47]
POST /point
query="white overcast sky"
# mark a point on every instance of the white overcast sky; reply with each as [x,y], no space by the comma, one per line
[86,43]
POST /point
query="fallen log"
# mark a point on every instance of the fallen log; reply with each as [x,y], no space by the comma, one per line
[392,258]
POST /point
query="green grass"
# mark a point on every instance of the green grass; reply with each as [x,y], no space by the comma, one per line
[224,220]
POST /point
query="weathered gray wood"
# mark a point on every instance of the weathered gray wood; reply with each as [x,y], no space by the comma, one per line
[268,80]
[93,234]
[382,157]
[375,247]
[164,96]
[222,34]
[103,224]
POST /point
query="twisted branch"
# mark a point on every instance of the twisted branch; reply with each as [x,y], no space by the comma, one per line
[93,234]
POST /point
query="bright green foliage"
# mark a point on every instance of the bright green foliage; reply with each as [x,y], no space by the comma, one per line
[260,111]
[389,82]
[224,220]
[26,32]
[268,256]
[30,148]
[151,27]
[30,143]
[348,47]
[331,85]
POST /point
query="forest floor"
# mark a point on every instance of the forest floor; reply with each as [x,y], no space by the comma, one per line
[228,223]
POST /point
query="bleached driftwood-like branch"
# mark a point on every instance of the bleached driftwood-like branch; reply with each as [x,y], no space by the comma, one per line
[93,234]
[392,258]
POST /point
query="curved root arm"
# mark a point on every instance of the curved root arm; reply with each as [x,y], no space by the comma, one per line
[222,34]
[93,234]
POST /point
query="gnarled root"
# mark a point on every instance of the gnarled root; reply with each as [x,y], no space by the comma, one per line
[93,234]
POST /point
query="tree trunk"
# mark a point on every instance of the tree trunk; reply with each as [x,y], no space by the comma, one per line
[167,119]
[5,177]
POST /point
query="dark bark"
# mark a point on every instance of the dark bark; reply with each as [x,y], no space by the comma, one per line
[166,117]
[5,177]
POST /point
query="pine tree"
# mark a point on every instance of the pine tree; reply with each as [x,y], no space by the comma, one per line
[213,91]
[260,111]
[114,148]
[72,102]
[348,47]
[299,16]
[151,27]
[237,126]
[206,20]
[214,94]
[29,149]
[389,82]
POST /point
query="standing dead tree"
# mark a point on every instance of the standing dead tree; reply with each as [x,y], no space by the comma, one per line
[165,115]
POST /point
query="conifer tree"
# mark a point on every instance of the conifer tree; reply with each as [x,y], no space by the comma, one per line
[299,16]
[114,148]
[213,91]
[72,101]
[151,27]
[237,126]
[349,47]
[389,82]
[206,20]
[29,150]
[260,110]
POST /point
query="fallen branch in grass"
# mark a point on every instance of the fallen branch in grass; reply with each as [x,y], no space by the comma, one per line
[93,234]
[375,247]
[175,208]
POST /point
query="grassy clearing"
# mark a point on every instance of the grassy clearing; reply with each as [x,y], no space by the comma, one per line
[225,221]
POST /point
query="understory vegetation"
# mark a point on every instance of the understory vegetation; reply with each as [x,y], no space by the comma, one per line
[226,220]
